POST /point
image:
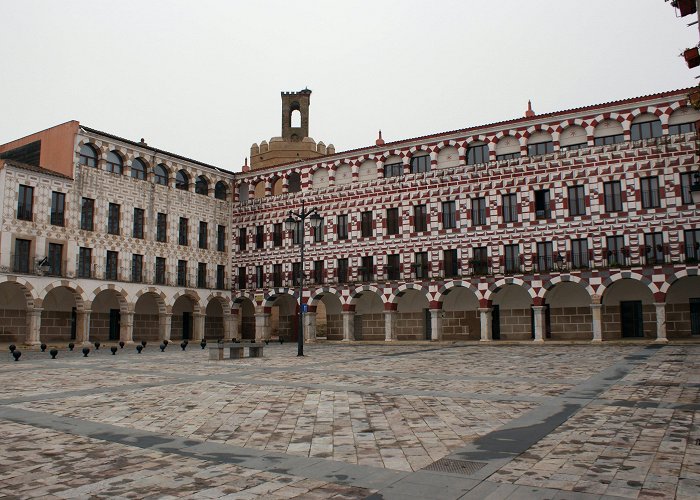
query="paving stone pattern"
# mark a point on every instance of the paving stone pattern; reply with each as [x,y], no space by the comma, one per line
[354,421]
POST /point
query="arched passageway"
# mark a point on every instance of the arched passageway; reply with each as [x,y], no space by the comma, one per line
[369,316]
[284,317]
[182,326]
[628,310]
[106,318]
[329,319]
[214,320]
[13,308]
[246,317]
[147,318]
[511,314]
[59,318]
[460,315]
[568,312]
[412,316]
[683,308]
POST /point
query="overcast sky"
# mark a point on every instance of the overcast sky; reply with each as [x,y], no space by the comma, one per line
[203,78]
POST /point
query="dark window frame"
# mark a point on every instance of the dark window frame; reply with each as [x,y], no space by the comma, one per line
[449,214]
[392,221]
[139,223]
[612,193]
[114,219]
[25,202]
[58,208]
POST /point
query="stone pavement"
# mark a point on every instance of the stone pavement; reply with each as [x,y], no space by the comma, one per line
[402,421]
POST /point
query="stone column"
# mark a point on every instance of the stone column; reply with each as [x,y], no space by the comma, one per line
[597,323]
[165,322]
[435,324]
[661,322]
[228,326]
[82,329]
[198,333]
[236,319]
[310,327]
[262,326]
[389,326]
[126,333]
[485,319]
[33,336]
[348,325]
[538,314]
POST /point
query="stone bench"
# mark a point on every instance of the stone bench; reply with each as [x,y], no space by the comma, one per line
[236,349]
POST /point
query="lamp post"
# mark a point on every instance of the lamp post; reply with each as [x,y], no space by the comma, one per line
[295,222]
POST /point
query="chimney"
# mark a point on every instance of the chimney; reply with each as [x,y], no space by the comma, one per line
[379,141]
[529,113]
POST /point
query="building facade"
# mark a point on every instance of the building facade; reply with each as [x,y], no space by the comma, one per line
[573,225]
[109,239]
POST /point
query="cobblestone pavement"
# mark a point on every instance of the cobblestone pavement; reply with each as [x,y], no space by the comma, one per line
[354,421]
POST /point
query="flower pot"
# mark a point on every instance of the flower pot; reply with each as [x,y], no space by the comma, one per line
[692,57]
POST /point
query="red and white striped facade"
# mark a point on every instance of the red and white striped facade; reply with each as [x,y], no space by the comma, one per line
[589,303]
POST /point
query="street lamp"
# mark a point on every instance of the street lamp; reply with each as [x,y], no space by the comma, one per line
[695,188]
[292,223]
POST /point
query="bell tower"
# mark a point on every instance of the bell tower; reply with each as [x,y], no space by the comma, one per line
[299,102]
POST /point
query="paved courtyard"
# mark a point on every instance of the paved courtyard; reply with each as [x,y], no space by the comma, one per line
[354,421]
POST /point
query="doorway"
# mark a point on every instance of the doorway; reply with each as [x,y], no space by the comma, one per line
[186,325]
[695,316]
[631,319]
[495,323]
[114,324]
[428,325]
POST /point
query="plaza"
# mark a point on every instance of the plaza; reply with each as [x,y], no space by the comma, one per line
[401,420]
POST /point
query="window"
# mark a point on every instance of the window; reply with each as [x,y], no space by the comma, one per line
[647,130]
[367,268]
[692,245]
[112,267]
[342,270]
[259,237]
[393,170]
[220,277]
[88,156]
[242,278]
[611,139]
[650,192]
[277,275]
[161,175]
[681,128]
[25,203]
[242,238]
[220,191]
[221,238]
[450,263]
[572,147]
[613,196]
[318,272]
[421,266]
[366,224]
[114,163]
[545,261]
[342,228]
[296,273]
[512,258]
[113,218]
[542,210]
[87,214]
[540,148]
[577,201]
[259,277]
[58,208]
[137,268]
[294,182]
[162,227]
[160,271]
[85,262]
[20,262]
[318,231]
[181,273]
[510,207]
[392,221]
[686,183]
[182,180]
[477,154]
[508,156]
[139,215]
[277,235]
[201,275]
[203,235]
[297,233]
[479,211]
[420,218]
[579,253]
[449,216]
[182,232]
[615,250]
[654,248]
[393,266]
[420,164]
[201,185]
[55,259]
[138,169]
[480,260]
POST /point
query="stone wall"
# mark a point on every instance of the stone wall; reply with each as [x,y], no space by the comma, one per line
[146,327]
[56,326]
[516,324]
[571,323]
[334,326]
[410,326]
[214,327]
[611,322]
[461,325]
[14,325]
[369,326]
[286,327]
[677,321]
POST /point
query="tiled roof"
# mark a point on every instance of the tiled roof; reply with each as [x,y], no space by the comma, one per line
[33,168]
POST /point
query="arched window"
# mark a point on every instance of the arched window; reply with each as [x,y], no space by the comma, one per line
[646,126]
[294,183]
[295,119]
[88,156]
[201,186]
[138,169]
[161,175]
[220,191]
[182,180]
[114,163]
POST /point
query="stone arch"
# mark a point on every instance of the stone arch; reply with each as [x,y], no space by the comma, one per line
[317,294]
[507,144]
[498,284]
[675,277]
[243,190]
[513,299]
[448,157]
[357,292]
[294,182]
[81,299]
[121,294]
[610,280]
[158,295]
[30,295]
[367,170]
[568,312]
[624,293]
[542,127]
[275,293]
[327,304]
[445,289]
[458,302]
[217,311]
[276,185]
[258,189]
[683,114]
[563,278]
[244,308]
[320,179]
[343,174]
[573,134]
[284,313]
[369,304]
[399,292]
[193,296]
[16,300]
[682,304]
